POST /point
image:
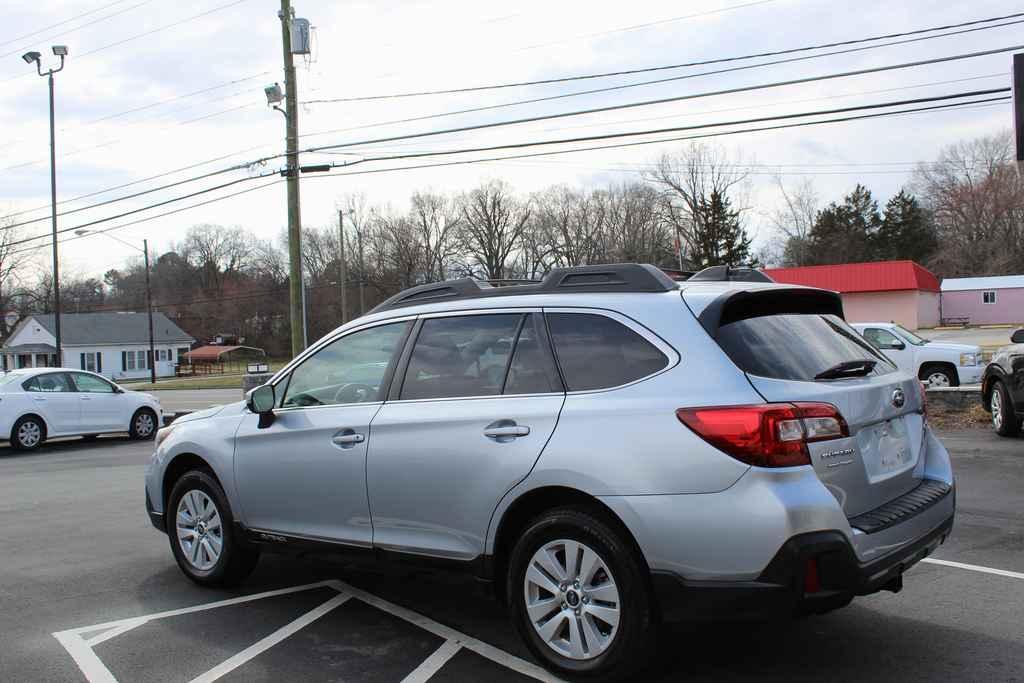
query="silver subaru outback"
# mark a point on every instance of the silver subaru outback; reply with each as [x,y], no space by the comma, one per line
[609,448]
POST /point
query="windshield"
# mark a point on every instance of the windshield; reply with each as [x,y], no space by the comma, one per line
[798,346]
[910,336]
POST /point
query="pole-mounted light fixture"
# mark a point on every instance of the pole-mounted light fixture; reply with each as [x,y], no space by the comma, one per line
[30,57]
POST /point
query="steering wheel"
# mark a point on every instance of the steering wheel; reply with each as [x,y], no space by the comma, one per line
[354,392]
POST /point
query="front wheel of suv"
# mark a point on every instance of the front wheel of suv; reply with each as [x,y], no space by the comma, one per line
[1004,419]
[203,539]
[579,596]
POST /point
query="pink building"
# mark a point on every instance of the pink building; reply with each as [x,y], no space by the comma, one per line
[983,300]
[884,291]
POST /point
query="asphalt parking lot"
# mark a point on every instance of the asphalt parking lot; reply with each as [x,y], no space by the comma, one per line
[88,591]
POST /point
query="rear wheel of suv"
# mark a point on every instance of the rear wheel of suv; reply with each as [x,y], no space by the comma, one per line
[579,596]
[1004,419]
[202,535]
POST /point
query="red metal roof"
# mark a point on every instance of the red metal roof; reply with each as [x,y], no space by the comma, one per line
[879,276]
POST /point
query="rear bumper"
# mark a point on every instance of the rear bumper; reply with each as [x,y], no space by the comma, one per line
[785,588]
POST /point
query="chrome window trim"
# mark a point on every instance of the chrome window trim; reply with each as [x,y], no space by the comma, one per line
[674,357]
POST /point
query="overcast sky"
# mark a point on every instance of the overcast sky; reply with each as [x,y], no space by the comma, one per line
[148,89]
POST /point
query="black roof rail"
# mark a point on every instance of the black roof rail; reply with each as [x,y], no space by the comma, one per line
[729,274]
[610,278]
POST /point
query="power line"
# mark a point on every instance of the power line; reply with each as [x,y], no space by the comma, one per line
[145,33]
[955,105]
[706,62]
[148,218]
[579,93]
[677,98]
[78,28]
[592,138]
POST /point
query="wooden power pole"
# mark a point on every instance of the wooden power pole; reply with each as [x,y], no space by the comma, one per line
[292,152]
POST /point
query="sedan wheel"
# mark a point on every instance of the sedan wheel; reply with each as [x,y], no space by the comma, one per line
[572,599]
[28,434]
[143,424]
[200,531]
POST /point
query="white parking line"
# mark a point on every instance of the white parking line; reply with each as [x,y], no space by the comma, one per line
[975,568]
[432,664]
[270,641]
[79,643]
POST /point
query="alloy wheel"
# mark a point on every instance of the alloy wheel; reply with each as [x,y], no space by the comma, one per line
[144,424]
[199,529]
[938,379]
[572,599]
[996,407]
[29,434]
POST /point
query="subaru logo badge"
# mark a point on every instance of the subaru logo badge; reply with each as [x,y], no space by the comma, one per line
[898,398]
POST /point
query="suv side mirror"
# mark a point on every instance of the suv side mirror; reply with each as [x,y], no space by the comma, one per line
[1018,336]
[261,399]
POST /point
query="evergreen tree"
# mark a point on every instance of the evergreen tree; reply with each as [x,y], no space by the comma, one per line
[719,237]
[906,231]
[845,233]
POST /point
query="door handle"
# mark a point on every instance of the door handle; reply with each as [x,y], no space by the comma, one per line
[507,431]
[348,439]
[85,398]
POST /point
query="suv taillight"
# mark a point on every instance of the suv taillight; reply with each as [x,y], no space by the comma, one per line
[768,434]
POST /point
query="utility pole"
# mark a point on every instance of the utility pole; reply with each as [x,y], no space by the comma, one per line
[362,273]
[149,311]
[342,274]
[295,283]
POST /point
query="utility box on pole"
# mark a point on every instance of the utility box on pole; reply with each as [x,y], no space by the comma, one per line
[300,36]
[1018,105]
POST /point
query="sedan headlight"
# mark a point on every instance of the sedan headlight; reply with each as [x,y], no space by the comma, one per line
[968,359]
[162,434]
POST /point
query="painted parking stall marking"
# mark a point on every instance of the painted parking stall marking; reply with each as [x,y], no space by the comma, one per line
[81,642]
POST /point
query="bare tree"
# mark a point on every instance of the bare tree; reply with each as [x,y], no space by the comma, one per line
[14,261]
[493,223]
[218,253]
[793,221]
[976,198]
[437,221]
[636,227]
[688,180]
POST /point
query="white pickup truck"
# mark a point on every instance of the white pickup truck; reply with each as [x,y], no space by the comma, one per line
[939,364]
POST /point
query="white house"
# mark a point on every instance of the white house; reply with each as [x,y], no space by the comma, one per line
[113,344]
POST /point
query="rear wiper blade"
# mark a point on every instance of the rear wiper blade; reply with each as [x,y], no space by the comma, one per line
[849,368]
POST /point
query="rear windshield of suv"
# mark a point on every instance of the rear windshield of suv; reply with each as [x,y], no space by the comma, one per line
[796,346]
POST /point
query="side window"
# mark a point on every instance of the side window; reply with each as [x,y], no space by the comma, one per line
[881,339]
[596,352]
[92,385]
[532,370]
[349,370]
[460,356]
[57,381]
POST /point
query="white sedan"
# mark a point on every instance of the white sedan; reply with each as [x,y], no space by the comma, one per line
[40,403]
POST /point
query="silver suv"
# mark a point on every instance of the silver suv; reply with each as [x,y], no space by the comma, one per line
[608,448]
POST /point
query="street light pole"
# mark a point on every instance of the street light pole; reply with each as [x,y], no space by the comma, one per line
[30,57]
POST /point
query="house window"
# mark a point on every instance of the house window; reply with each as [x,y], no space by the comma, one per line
[129,360]
[141,362]
[89,361]
[988,297]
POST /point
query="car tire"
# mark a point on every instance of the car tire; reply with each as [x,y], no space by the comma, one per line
[939,376]
[28,433]
[143,425]
[580,643]
[1004,418]
[202,534]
